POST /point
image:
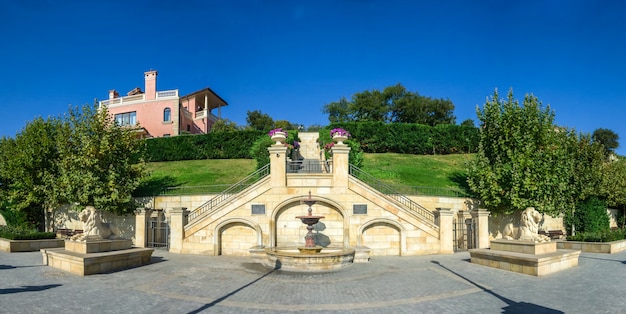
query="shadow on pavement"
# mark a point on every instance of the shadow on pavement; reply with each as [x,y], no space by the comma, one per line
[27,289]
[513,307]
[13,267]
[603,259]
[218,300]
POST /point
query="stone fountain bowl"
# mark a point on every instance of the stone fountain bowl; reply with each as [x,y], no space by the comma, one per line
[290,259]
[309,220]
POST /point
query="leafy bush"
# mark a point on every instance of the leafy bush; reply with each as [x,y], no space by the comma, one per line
[15,218]
[258,149]
[600,236]
[590,216]
[355,157]
[21,233]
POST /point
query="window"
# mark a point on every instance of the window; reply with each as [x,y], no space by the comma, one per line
[188,128]
[167,115]
[127,118]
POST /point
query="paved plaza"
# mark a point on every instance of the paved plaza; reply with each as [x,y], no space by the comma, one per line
[175,283]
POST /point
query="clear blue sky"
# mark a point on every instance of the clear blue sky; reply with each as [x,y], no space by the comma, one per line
[288,58]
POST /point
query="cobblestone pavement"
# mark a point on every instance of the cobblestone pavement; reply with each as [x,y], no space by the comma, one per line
[175,283]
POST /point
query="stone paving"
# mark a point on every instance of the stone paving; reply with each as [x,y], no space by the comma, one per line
[175,283]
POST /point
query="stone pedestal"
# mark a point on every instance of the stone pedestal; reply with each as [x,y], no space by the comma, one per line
[482,225]
[177,228]
[362,254]
[96,256]
[142,216]
[526,257]
[446,234]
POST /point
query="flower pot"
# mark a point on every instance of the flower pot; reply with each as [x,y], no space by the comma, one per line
[279,137]
[337,138]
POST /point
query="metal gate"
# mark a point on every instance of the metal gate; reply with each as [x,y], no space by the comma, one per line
[158,232]
[464,235]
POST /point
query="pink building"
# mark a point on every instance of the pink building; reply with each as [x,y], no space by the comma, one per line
[165,113]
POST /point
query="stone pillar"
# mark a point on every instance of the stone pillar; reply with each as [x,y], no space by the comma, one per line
[177,228]
[341,165]
[481,217]
[446,233]
[278,165]
[142,216]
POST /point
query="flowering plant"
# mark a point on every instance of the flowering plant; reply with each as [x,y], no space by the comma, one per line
[296,144]
[274,131]
[339,131]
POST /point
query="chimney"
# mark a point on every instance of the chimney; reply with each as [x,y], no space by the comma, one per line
[113,94]
[150,89]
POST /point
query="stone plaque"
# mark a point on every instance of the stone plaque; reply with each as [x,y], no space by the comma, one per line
[258,209]
[359,209]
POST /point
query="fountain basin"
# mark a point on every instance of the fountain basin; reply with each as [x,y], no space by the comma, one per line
[290,259]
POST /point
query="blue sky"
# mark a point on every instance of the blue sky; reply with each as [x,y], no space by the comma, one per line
[289,58]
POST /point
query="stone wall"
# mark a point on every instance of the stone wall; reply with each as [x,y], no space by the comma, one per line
[67,218]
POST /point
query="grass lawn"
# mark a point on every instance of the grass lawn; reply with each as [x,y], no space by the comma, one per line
[439,171]
[194,173]
[442,171]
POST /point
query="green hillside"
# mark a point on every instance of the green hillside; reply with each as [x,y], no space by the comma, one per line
[214,175]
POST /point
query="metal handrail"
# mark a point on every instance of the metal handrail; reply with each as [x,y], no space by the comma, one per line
[214,203]
[429,191]
[300,166]
[426,215]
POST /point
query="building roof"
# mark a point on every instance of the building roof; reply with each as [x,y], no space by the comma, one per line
[205,90]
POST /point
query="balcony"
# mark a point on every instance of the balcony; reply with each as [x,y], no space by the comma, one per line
[121,101]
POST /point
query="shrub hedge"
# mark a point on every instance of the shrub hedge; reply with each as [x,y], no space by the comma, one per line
[590,216]
[19,233]
[374,137]
[218,145]
[599,236]
[410,138]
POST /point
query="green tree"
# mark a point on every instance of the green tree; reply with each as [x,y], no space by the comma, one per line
[338,111]
[259,121]
[468,122]
[393,104]
[606,137]
[224,125]
[28,169]
[100,163]
[369,106]
[285,125]
[614,182]
[521,160]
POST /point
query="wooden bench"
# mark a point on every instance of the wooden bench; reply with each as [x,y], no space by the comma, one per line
[63,233]
[67,233]
[555,234]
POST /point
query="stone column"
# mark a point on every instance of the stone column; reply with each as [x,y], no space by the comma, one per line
[446,233]
[278,165]
[142,216]
[481,216]
[177,228]
[341,165]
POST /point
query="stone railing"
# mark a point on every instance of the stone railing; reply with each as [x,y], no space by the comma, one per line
[426,215]
[216,202]
[120,101]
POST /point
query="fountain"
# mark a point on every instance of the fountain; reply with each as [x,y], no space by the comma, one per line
[310,257]
[310,220]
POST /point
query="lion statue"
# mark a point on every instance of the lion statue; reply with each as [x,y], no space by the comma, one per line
[528,229]
[94,228]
